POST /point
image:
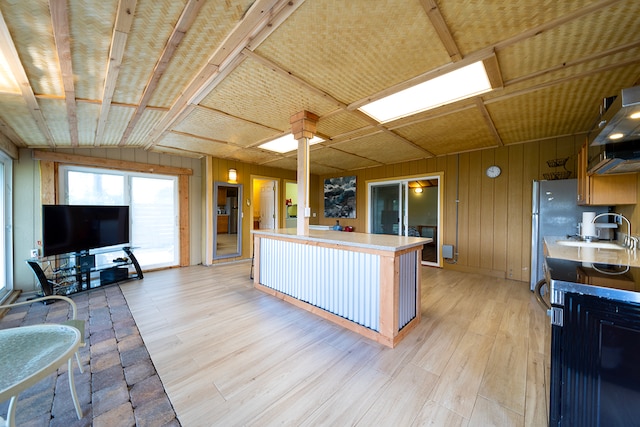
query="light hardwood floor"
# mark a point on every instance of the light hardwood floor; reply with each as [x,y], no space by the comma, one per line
[230,355]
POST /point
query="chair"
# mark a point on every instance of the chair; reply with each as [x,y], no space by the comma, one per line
[79,324]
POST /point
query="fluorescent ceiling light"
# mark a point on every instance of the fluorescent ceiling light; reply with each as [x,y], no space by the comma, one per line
[286,143]
[462,83]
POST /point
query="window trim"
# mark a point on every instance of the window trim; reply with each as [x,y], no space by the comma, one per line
[49,162]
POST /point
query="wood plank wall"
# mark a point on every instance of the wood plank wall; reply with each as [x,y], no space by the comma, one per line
[494,215]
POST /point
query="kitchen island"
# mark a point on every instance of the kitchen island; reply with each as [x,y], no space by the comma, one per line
[367,283]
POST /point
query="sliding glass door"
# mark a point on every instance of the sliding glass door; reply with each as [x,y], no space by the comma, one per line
[408,207]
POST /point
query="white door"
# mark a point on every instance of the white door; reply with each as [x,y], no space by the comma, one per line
[267,205]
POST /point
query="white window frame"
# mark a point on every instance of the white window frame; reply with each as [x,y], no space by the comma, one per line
[7,225]
[63,191]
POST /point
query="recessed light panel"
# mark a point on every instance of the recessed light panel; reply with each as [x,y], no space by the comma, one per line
[462,83]
[286,143]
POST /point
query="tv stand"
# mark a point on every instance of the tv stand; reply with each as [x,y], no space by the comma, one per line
[81,271]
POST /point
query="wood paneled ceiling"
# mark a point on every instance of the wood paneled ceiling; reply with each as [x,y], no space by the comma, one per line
[214,77]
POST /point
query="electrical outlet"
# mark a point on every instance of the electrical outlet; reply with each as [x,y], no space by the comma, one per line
[35,253]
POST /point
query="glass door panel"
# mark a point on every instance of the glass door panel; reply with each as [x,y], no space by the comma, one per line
[154,218]
[408,208]
[422,219]
[386,209]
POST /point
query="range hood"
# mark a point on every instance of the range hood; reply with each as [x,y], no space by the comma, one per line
[614,145]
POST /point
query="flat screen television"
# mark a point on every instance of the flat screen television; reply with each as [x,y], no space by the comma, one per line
[77,228]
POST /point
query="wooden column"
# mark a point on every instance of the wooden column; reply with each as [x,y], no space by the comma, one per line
[303,128]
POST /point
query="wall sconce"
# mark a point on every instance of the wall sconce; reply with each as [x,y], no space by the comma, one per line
[418,190]
[233,175]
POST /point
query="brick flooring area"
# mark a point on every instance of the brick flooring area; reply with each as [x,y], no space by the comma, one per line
[119,386]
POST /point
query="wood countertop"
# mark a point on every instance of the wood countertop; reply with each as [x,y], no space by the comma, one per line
[590,255]
[382,242]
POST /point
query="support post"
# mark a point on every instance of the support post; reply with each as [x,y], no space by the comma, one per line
[303,128]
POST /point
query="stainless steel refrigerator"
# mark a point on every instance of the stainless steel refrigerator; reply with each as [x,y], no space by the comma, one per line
[555,212]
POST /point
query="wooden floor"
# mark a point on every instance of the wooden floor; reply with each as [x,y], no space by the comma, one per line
[230,355]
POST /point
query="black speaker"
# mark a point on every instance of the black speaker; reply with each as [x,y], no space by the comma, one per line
[112,275]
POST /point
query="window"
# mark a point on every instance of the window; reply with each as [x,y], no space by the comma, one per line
[6,254]
[152,200]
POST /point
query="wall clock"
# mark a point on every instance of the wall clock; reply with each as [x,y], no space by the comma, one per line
[493,171]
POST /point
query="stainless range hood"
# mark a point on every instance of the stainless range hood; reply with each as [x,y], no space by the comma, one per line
[614,146]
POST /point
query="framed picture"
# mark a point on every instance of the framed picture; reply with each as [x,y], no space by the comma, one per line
[340,197]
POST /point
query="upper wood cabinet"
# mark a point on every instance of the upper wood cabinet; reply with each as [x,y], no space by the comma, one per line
[606,190]
[222,197]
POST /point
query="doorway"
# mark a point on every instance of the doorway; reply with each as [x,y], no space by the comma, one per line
[264,196]
[227,220]
[408,207]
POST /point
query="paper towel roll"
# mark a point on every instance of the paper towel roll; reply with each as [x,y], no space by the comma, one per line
[588,227]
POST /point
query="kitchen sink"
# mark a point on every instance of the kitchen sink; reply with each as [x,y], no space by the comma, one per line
[585,244]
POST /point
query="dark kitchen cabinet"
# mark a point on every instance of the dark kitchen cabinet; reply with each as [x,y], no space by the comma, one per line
[595,362]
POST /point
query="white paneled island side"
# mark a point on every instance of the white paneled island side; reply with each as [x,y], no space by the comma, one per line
[367,283]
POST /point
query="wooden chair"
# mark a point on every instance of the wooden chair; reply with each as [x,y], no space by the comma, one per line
[79,324]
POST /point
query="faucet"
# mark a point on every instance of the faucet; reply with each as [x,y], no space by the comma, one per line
[629,241]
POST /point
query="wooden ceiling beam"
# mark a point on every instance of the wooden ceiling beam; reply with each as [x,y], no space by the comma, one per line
[442,29]
[489,121]
[189,14]
[262,18]
[121,29]
[62,36]
[8,49]
[9,147]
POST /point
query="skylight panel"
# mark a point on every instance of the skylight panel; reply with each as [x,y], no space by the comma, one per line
[286,143]
[460,84]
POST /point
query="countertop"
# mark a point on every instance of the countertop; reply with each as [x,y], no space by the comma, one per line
[606,273]
[382,242]
[622,257]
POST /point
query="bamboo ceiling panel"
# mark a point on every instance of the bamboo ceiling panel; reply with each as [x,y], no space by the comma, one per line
[557,110]
[477,24]
[341,123]
[288,163]
[175,151]
[354,49]
[55,111]
[119,118]
[598,31]
[91,29]
[215,20]
[253,155]
[31,30]
[144,47]
[149,119]
[339,159]
[556,59]
[462,131]
[8,82]
[87,114]
[15,113]
[382,148]
[197,145]
[256,93]
[221,127]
